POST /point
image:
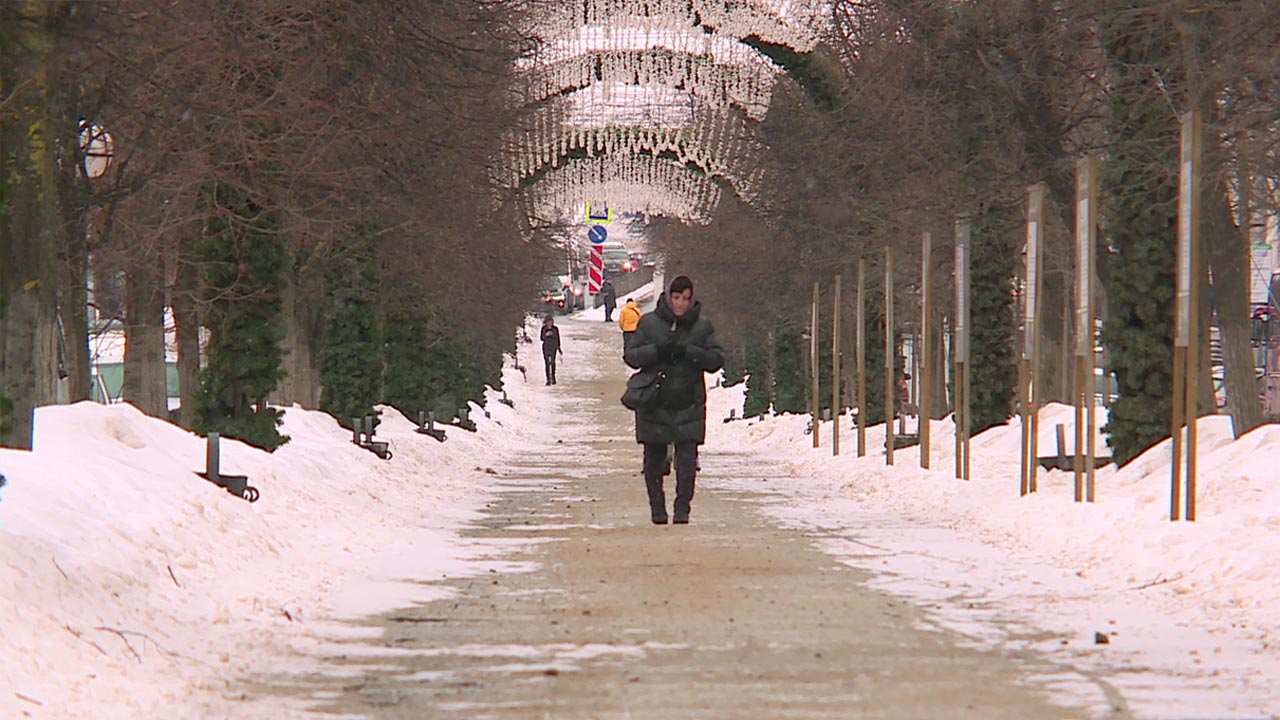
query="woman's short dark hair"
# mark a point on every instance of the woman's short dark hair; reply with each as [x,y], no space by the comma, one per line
[680,284]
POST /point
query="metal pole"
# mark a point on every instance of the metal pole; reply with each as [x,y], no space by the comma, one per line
[924,352]
[1189,291]
[813,365]
[1031,330]
[888,356]
[835,370]
[861,352]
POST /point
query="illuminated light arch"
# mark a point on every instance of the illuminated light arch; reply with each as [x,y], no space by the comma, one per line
[746,86]
[791,23]
[718,141]
[646,184]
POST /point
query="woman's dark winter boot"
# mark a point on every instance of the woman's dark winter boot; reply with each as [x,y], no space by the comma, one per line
[681,514]
[657,501]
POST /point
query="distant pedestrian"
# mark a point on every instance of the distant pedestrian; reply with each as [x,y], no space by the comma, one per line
[550,347]
[678,345]
[628,320]
[610,298]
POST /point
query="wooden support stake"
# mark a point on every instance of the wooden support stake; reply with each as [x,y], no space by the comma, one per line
[813,365]
[1086,358]
[960,347]
[888,356]
[924,371]
[1031,335]
[861,352]
[835,369]
[1175,431]
[1187,336]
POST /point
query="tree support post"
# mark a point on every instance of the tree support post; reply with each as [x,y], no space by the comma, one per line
[1030,348]
[1086,359]
[960,346]
[835,369]
[1186,356]
[888,356]
[924,362]
[816,423]
[861,348]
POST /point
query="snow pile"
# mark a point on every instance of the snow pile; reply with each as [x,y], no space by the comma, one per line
[1182,591]
[135,588]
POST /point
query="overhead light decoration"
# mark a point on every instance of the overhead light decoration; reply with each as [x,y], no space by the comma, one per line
[715,140]
[627,97]
[650,185]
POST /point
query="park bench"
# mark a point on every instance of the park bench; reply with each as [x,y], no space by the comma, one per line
[237,485]
[365,439]
[427,425]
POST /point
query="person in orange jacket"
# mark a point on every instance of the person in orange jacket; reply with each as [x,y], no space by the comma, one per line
[628,320]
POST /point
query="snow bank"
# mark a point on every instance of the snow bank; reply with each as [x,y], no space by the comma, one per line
[642,295]
[134,588]
[1214,579]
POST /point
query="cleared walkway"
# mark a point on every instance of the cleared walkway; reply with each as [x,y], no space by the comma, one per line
[728,617]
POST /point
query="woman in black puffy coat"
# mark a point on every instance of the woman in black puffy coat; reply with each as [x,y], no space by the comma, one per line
[676,341]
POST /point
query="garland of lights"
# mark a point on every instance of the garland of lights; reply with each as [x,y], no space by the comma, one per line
[649,185]
[793,23]
[642,102]
[745,86]
[715,140]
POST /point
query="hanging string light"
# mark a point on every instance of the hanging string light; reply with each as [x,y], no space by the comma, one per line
[647,102]
[640,184]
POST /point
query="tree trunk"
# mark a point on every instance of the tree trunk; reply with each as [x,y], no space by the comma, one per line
[939,403]
[75,317]
[186,318]
[144,361]
[28,229]
[1228,255]
[301,382]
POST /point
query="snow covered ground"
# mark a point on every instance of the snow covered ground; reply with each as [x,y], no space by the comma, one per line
[132,588]
[1191,610]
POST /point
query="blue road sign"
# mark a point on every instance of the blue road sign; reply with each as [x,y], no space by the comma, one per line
[598,234]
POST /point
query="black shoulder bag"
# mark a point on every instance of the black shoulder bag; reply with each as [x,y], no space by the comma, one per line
[643,390]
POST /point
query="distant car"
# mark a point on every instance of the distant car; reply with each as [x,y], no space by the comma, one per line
[555,300]
[616,258]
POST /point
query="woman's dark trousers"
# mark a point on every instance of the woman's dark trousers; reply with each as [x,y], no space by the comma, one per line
[655,458]
[550,367]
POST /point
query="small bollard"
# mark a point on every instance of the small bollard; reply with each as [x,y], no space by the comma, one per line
[368,428]
[464,419]
[355,430]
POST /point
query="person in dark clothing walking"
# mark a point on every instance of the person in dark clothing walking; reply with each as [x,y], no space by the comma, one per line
[550,346]
[676,341]
[609,296]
